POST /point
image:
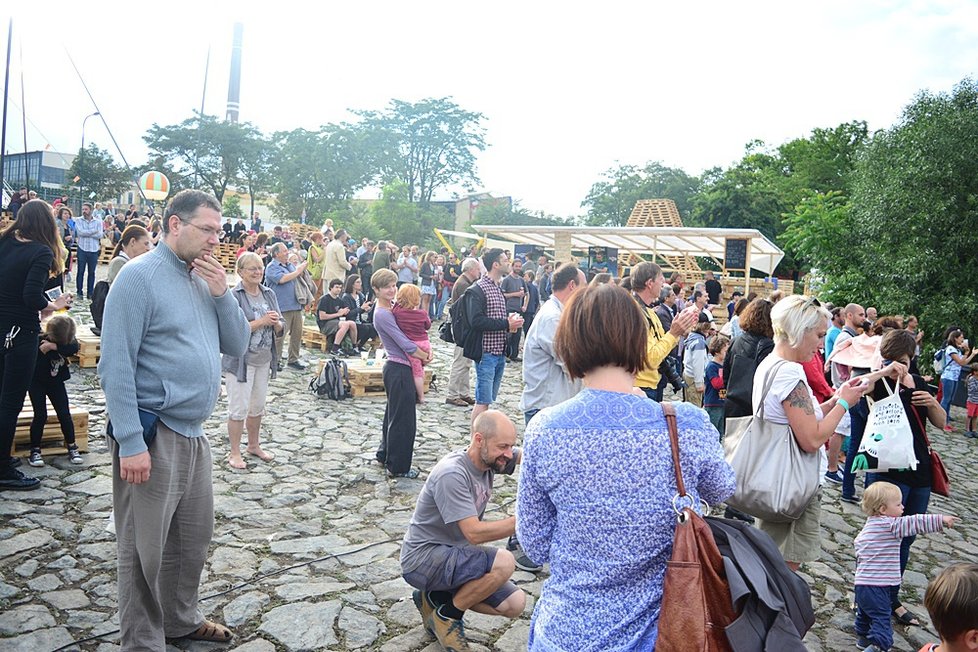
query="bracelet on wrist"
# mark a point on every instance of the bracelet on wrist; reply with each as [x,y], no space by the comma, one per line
[843,403]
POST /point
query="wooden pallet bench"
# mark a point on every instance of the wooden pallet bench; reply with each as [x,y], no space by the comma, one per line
[312,338]
[89,349]
[368,380]
[52,441]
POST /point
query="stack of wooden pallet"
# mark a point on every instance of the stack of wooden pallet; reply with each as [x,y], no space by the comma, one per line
[105,256]
[225,254]
[52,441]
[89,348]
[312,338]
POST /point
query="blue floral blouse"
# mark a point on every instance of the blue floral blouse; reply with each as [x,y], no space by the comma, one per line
[595,500]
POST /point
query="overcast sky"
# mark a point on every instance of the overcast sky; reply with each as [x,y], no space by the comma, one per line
[568,89]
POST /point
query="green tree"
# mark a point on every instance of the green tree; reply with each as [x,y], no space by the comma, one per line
[232,207]
[318,171]
[428,145]
[99,177]
[204,148]
[915,201]
[395,217]
[611,200]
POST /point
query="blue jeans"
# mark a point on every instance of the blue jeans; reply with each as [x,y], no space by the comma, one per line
[859,415]
[948,388]
[873,615]
[442,302]
[488,378]
[87,259]
[915,501]
[654,393]
[529,414]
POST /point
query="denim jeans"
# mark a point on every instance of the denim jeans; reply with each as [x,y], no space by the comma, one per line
[873,615]
[948,388]
[915,501]
[488,378]
[859,415]
[529,414]
[87,259]
[445,294]
[653,393]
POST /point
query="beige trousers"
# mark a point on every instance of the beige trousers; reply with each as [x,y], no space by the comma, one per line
[458,378]
[163,527]
[293,331]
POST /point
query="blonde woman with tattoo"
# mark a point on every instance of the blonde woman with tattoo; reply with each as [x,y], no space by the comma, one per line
[800,324]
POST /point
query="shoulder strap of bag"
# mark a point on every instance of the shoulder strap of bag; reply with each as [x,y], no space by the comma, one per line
[769,379]
[669,410]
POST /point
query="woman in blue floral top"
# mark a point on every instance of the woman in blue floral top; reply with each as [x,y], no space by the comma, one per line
[597,485]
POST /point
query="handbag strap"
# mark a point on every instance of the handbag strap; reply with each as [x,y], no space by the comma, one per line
[769,379]
[669,410]
[923,428]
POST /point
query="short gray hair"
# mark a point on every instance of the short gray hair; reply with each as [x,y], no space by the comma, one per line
[275,248]
[794,316]
[469,263]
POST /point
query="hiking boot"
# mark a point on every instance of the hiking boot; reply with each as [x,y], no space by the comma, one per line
[449,632]
[13,480]
[35,458]
[73,455]
[523,562]
[422,600]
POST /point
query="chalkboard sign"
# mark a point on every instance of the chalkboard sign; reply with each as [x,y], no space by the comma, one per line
[735,253]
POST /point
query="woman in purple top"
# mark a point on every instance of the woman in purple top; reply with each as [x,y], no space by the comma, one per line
[414,323]
[400,419]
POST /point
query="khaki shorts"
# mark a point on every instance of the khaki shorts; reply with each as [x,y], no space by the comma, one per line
[800,540]
[247,399]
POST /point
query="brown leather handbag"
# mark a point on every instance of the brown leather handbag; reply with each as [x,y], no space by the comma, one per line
[696,604]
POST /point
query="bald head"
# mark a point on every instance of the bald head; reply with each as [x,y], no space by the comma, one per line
[855,315]
[491,424]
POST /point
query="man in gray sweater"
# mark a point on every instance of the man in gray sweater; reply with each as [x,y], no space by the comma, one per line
[168,317]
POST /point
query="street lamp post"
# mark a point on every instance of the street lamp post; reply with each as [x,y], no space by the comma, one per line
[91,115]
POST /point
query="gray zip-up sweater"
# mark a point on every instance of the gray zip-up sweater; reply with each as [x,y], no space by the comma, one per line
[162,336]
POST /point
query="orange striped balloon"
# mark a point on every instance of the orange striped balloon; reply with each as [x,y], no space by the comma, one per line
[154,185]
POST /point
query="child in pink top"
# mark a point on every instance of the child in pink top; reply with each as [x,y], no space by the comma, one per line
[414,323]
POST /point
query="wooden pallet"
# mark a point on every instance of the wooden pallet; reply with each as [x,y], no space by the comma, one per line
[225,252]
[105,256]
[52,441]
[89,349]
[312,338]
[367,381]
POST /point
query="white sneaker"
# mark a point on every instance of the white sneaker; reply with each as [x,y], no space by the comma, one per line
[35,458]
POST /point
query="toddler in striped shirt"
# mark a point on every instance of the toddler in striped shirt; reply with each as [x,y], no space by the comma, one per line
[878,560]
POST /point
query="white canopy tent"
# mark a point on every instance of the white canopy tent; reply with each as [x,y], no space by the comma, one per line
[762,255]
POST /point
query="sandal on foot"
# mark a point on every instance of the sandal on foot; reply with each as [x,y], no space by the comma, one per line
[235,464]
[264,456]
[208,631]
[908,618]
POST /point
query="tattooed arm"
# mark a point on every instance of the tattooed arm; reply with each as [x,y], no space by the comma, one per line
[809,432]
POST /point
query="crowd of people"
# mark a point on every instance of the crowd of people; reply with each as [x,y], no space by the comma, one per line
[596,490]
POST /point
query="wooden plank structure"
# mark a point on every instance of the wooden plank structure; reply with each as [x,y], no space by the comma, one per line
[368,380]
[312,338]
[89,348]
[225,254]
[664,213]
[105,256]
[52,441]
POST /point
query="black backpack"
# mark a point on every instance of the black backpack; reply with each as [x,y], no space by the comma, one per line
[99,293]
[333,381]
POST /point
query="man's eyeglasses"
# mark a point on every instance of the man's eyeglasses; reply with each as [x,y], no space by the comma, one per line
[209,232]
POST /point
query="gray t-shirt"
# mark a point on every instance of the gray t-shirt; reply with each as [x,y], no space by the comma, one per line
[260,345]
[513,284]
[454,491]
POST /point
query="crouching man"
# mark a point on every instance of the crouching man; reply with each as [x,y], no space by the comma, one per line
[443,555]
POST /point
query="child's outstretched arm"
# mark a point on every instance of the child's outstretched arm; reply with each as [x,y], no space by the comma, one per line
[908,526]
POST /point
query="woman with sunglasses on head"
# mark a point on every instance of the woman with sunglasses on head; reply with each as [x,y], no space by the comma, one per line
[31,253]
[246,377]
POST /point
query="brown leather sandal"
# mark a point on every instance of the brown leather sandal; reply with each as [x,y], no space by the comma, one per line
[209,631]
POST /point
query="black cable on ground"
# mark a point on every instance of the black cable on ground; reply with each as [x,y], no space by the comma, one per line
[254,580]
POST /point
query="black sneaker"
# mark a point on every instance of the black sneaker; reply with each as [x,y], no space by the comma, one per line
[35,458]
[298,364]
[14,480]
[523,562]
[834,476]
[850,499]
[73,455]
[410,475]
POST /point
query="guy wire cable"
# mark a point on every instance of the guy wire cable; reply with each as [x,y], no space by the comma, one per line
[105,123]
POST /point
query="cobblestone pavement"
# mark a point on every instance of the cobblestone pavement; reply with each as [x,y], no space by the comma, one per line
[323,495]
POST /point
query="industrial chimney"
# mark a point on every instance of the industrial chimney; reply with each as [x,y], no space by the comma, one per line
[234,84]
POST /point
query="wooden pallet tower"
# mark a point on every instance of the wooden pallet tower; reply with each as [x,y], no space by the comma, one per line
[661,213]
